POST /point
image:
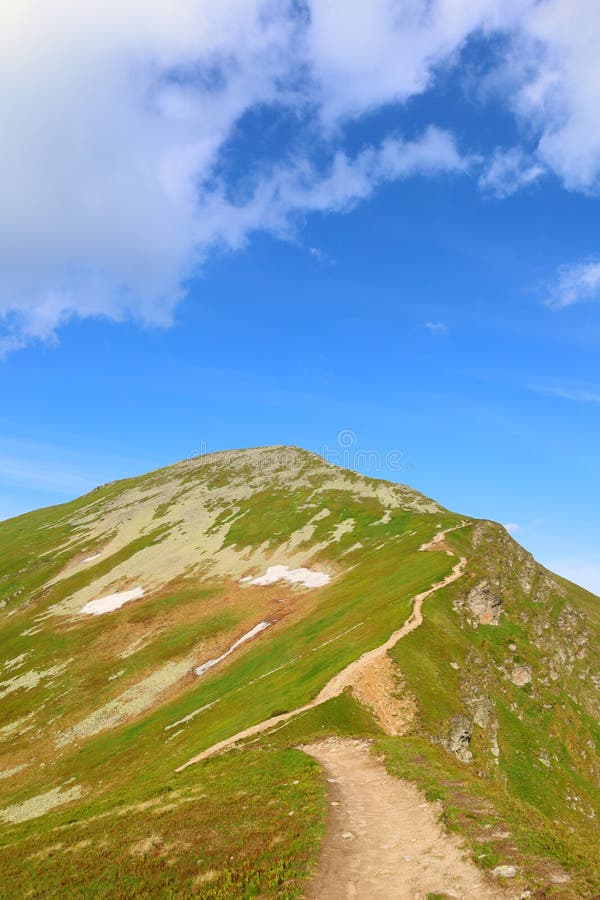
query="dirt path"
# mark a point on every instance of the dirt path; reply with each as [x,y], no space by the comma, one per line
[383,839]
[351,673]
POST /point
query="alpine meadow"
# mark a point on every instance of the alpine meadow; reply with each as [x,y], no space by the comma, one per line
[129,770]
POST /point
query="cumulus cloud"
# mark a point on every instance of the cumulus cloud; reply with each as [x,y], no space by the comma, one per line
[553,64]
[509,171]
[366,53]
[575,284]
[117,118]
[112,115]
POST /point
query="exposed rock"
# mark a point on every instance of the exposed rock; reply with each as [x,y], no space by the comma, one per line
[459,738]
[482,533]
[485,602]
[37,806]
[547,587]
[528,573]
[482,710]
[521,675]
[505,871]
[494,745]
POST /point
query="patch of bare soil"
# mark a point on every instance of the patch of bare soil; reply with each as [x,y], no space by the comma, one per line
[384,841]
[381,690]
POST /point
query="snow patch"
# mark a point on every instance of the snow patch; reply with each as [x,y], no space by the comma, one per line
[92,558]
[192,715]
[111,602]
[245,637]
[306,577]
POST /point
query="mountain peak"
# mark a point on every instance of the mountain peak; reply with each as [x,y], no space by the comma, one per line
[269,596]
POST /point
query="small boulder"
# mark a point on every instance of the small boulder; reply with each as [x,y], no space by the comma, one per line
[505,871]
[521,675]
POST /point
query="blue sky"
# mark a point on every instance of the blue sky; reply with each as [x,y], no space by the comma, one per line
[257,223]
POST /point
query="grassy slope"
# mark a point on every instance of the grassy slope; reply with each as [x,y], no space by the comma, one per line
[543,793]
[204,832]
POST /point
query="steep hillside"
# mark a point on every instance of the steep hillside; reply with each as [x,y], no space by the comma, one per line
[146,624]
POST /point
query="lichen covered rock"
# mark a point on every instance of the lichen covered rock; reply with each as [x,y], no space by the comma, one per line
[459,738]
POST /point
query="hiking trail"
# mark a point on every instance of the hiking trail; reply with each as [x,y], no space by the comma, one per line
[384,840]
[352,672]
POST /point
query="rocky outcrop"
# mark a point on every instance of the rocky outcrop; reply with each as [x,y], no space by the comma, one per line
[459,738]
[565,647]
[510,580]
[482,711]
[485,603]
[529,570]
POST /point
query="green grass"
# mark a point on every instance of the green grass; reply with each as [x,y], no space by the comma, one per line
[529,799]
[136,761]
[342,716]
[230,815]
[247,825]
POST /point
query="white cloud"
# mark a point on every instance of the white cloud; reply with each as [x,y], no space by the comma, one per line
[554,67]
[301,188]
[509,171]
[436,328]
[112,116]
[366,53]
[117,116]
[575,284]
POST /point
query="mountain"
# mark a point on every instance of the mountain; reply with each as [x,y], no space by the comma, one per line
[260,601]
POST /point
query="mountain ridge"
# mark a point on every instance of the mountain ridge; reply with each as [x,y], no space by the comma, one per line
[498,688]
